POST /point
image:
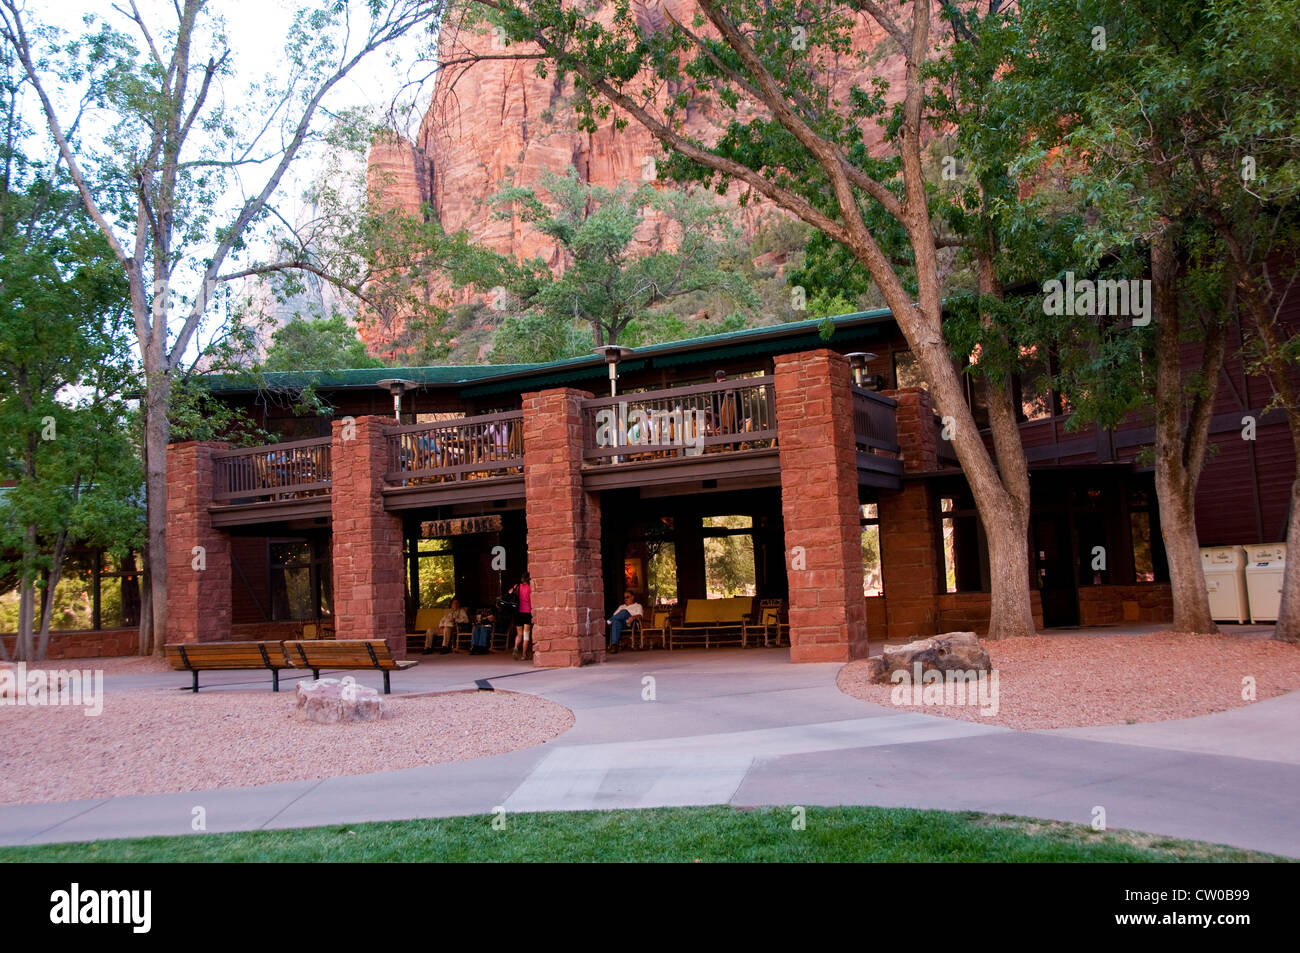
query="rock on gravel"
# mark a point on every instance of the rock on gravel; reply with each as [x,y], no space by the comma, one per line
[950,652]
[153,742]
[1060,681]
[331,701]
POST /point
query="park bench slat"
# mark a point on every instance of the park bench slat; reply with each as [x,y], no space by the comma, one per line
[231,656]
[347,653]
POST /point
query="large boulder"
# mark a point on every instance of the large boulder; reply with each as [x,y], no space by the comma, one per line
[331,701]
[950,652]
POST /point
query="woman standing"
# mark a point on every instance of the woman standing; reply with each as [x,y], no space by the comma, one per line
[525,620]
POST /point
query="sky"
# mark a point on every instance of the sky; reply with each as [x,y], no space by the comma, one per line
[256,31]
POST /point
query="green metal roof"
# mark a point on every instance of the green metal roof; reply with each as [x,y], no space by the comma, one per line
[483,379]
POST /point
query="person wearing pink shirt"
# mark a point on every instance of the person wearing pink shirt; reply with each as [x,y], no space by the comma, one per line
[525,618]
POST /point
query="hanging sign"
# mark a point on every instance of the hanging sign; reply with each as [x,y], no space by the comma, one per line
[461,526]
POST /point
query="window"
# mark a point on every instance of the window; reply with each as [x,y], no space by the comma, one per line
[95,591]
[434,573]
[1090,530]
[907,371]
[729,557]
[300,579]
[872,581]
[119,592]
[661,570]
[1139,521]
[965,559]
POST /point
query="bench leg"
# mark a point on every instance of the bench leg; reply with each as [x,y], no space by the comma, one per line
[315,673]
[386,686]
[275,679]
[196,681]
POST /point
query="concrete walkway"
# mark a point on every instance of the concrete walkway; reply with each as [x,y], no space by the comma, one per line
[748,728]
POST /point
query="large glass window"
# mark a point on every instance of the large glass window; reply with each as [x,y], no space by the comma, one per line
[873,583]
[300,579]
[1139,521]
[907,371]
[95,591]
[435,573]
[729,556]
[962,543]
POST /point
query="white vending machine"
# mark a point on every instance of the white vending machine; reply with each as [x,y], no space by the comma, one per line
[1225,581]
[1265,566]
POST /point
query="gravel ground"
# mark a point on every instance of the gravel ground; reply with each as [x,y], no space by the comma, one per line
[1071,682]
[151,742]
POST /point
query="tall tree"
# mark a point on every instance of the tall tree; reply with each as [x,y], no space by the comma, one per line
[607,283]
[183,175]
[64,366]
[1140,108]
[795,137]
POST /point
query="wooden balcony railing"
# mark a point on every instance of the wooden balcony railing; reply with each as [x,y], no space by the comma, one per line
[680,422]
[280,471]
[449,451]
[875,430]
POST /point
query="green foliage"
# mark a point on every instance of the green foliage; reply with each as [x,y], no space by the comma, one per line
[607,283]
[317,344]
[65,438]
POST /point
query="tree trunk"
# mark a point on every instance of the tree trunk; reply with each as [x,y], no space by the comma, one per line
[156,433]
[146,616]
[27,597]
[47,603]
[1011,611]
[1176,472]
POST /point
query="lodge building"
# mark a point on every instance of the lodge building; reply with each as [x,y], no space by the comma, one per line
[825,491]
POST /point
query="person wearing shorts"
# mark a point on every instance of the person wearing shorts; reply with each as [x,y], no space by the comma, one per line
[524,620]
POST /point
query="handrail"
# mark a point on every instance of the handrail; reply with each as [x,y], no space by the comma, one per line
[680,421]
[875,424]
[293,469]
[463,448]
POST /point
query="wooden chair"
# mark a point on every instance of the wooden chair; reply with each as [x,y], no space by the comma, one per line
[316,630]
[657,626]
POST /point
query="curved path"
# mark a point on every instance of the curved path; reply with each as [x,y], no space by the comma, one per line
[748,728]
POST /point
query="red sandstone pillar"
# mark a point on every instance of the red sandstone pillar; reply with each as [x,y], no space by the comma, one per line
[198,555]
[819,499]
[564,558]
[369,593]
[909,539]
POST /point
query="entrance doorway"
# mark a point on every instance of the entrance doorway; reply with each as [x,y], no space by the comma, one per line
[1054,568]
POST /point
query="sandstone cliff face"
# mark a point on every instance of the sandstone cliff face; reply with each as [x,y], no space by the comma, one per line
[496,123]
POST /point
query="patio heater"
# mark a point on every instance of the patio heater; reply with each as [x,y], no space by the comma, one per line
[397,387]
[613,354]
[858,360]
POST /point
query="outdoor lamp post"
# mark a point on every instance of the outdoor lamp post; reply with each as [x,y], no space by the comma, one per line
[397,387]
[613,353]
[858,360]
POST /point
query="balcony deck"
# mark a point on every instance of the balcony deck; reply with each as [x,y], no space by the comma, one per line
[875,431]
[683,435]
[273,483]
[460,460]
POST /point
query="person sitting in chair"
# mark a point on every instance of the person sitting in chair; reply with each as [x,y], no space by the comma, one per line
[481,642]
[446,628]
[629,610]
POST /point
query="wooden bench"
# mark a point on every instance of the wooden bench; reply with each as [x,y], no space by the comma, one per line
[198,657]
[718,621]
[347,653]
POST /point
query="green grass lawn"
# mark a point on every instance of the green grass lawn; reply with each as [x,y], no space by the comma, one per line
[665,834]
